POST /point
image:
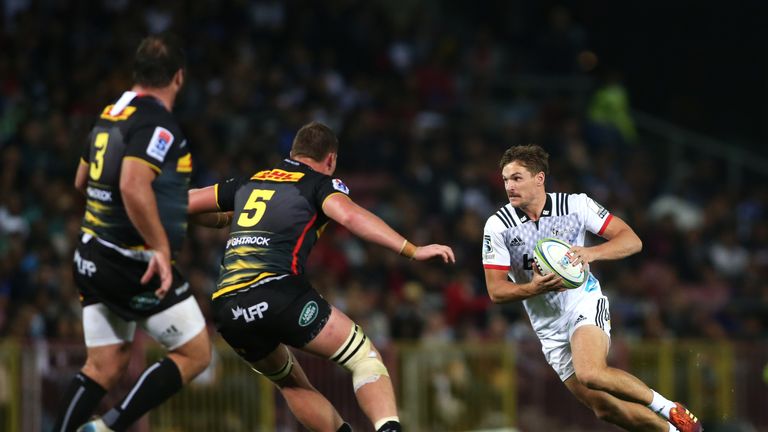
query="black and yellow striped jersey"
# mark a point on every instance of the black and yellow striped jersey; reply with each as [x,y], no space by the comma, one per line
[277,219]
[136,127]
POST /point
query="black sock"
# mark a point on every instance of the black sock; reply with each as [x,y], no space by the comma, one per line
[158,382]
[345,428]
[390,426]
[80,399]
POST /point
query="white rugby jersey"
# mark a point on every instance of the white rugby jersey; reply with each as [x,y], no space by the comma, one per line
[510,236]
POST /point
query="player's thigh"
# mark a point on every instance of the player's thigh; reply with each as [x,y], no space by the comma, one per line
[589,335]
[589,348]
[332,336]
[104,328]
[177,325]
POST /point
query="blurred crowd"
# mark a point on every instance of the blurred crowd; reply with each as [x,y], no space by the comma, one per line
[425,99]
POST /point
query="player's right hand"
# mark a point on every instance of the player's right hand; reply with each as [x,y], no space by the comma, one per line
[159,264]
[545,283]
[435,250]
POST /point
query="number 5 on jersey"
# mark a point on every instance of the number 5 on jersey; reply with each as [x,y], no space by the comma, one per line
[255,207]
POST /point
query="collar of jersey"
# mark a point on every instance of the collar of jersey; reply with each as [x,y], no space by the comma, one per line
[545,212]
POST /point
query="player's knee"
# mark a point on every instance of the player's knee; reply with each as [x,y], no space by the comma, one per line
[279,375]
[106,373]
[358,356]
[591,378]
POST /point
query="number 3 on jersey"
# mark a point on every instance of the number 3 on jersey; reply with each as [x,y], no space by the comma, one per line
[97,164]
[255,207]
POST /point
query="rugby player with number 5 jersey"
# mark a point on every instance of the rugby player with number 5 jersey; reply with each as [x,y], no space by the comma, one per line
[263,300]
[573,325]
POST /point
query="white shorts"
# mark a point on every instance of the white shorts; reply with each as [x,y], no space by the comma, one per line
[172,327]
[592,310]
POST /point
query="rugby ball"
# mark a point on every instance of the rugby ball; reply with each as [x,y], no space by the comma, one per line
[550,256]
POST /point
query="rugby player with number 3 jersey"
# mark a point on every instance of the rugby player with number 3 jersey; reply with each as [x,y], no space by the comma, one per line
[135,176]
[263,300]
[573,325]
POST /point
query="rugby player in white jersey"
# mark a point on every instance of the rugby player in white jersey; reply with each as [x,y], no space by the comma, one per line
[573,325]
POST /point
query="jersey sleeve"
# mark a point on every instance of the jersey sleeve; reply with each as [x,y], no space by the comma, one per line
[85,155]
[596,217]
[329,186]
[225,193]
[151,145]
[495,252]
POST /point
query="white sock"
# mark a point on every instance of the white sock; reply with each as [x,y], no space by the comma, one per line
[661,405]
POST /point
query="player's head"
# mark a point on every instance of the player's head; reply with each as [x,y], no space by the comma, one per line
[159,62]
[524,169]
[317,142]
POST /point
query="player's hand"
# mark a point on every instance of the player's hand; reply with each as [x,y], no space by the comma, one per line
[545,283]
[435,250]
[160,265]
[580,255]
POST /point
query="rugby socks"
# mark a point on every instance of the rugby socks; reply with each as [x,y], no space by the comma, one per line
[158,383]
[345,428]
[661,405]
[388,424]
[80,400]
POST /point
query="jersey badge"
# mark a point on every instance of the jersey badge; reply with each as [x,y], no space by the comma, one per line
[487,248]
[160,143]
[597,208]
[340,186]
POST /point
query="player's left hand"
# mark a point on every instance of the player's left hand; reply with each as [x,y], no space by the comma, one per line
[580,255]
[435,250]
[159,264]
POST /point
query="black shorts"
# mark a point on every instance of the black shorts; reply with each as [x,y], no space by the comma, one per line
[256,321]
[104,275]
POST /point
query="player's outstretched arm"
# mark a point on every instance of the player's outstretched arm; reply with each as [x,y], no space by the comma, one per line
[370,227]
[203,209]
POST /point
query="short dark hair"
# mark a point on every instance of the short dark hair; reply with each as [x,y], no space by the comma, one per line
[157,60]
[530,156]
[315,141]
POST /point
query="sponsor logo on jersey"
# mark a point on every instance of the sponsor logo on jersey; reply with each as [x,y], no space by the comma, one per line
[251,313]
[340,186]
[84,267]
[184,165]
[308,313]
[254,240]
[580,319]
[122,115]
[160,143]
[517,241]
[144,301]
[487,248]
[278,175]
[98,194]
[597,208]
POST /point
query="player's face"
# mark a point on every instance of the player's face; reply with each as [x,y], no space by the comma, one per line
[521,185]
